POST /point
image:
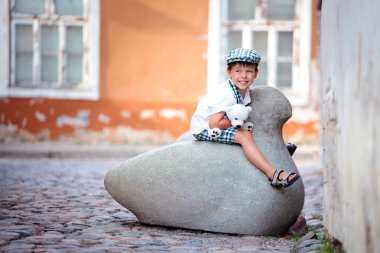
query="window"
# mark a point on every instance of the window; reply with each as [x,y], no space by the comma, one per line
[278,29]
[53,48]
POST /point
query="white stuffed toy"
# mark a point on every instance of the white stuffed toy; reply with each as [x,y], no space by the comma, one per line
[237,114]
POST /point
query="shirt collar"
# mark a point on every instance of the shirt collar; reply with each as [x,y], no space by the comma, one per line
[239,100]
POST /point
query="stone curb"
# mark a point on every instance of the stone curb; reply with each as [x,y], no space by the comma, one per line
[73,151]
[104,150]
[310,242]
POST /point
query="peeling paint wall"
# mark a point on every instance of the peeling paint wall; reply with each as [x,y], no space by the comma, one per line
[150,77]
[350,53]
[153,69]
[57,120]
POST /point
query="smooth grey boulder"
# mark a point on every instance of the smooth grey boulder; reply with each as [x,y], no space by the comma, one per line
[187,136]
[212,187]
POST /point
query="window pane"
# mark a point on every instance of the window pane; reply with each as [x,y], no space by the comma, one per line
[49,39]
[284,75]
[24,38]
[49,53]
[74,39]
[49,68]
[74,69]
[30,6]
[262,75]
[234,40]
[241,9]
[69,7]
[281,9]
[285,44]
[24,53]
[260,43]
[24,67]
[74,42]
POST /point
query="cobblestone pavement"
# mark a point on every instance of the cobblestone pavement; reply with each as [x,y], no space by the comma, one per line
[60,205]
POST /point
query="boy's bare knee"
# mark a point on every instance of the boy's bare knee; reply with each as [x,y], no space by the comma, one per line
[245,133]
[242,136]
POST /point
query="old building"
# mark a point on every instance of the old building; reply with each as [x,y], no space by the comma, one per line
[134,70]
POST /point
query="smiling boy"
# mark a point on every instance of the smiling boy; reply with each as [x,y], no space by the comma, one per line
[242,70]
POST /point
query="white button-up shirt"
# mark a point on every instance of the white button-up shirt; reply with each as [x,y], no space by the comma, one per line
[216,100]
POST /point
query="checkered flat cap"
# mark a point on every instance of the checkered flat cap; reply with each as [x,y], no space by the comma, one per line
[244,55]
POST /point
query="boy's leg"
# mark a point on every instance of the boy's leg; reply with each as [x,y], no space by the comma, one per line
[254,155]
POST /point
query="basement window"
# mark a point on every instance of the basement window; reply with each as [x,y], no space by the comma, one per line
[53,49]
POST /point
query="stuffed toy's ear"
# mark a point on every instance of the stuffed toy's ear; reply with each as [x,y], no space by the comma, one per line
[249,109]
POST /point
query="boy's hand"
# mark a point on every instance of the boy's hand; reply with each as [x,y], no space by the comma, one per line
[217,120]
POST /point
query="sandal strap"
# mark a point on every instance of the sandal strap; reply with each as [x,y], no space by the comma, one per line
[287,176]
[275,180]
[285,181]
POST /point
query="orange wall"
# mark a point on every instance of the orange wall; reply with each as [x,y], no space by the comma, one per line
[152,61]
[152,57]
[153,51]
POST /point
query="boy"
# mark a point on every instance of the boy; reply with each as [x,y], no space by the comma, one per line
[242,70]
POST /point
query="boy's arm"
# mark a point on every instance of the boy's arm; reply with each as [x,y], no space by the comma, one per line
[217,120]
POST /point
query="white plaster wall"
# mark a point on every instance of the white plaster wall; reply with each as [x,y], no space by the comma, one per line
[350,69]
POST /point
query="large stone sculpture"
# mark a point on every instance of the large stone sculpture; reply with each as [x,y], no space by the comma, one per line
[212,187]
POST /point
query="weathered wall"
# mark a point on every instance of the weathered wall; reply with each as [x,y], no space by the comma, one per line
[350,53]
[153,70]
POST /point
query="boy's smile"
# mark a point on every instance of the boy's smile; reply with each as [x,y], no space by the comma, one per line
[242,76]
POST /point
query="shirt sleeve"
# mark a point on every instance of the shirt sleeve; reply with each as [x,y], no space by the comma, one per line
[219,99]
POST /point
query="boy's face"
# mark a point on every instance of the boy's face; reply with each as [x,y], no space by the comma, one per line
[242,75]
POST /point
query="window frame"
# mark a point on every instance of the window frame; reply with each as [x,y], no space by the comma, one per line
[217,46]
[87,90]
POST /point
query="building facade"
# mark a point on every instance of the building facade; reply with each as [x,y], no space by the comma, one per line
[134,70]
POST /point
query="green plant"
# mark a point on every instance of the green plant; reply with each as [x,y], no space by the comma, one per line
[327,248]
[330,245]
[297,237]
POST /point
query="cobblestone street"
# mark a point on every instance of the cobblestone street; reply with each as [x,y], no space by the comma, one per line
[60,205]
